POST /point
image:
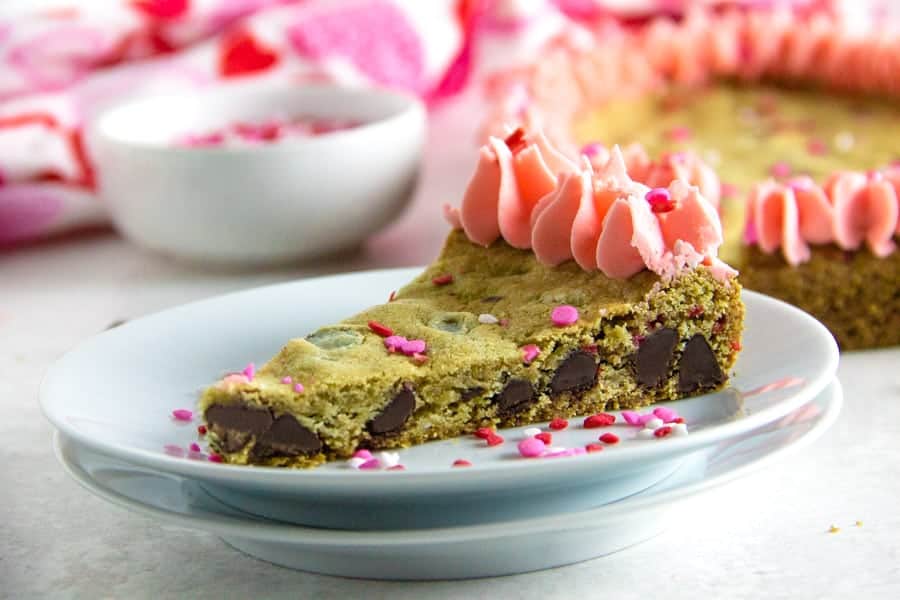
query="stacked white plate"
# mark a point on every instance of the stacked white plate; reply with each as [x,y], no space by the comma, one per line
[111,400]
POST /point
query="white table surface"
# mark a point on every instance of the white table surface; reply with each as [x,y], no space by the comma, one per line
[762,536]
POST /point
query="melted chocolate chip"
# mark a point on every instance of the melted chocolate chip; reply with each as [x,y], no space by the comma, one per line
[470,393]
[576,373]
[653,357]
[517,394]
[698,368]
[239,417]
[395,414]
[286,437]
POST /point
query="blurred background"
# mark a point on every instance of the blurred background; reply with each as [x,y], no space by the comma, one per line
[231,155]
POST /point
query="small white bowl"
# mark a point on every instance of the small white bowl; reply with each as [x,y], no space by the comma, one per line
[266,203]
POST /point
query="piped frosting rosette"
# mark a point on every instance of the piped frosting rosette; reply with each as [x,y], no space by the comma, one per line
[850,210]
[594,212]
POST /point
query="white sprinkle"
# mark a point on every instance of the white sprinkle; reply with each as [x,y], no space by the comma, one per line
[645,434]
[488,319]
[844,141]
[679,429]
[653,424]
[354,462]
[389,459]
[531,431]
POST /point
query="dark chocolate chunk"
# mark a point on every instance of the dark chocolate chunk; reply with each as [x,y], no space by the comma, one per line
[576,373]
[286,437]
[653,357]
[698,368]
[517,394]
[395,414]
[239,417]
[470,393]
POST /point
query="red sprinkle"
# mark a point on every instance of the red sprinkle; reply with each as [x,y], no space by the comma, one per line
[494,440]
[662,431]
[461,462]
[736,345]
[599,420]
[660,200]
[216,458]
[558,424]
[516,140]
[443,279]
[592,348]
[609,438]
[504,322]
[678,420]
[545,437]
[397,468]
[696,311]
[201,429]
[382,330]
[484,432]
[593,448]
[392,296]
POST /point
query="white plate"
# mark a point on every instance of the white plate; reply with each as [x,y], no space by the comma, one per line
[451,553]
[115,394]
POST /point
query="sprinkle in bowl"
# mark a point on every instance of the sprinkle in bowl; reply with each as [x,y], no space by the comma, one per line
[258,201]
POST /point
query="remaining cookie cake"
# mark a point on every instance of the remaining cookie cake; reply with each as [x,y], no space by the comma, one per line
[556,295]
[794,110]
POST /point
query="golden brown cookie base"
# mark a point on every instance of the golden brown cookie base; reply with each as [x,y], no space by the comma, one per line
[855,294]
[473,369]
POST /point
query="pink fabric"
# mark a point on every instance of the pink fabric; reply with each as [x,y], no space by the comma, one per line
[61,65]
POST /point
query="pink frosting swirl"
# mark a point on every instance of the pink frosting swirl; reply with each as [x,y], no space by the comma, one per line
[602,219]
[851,208]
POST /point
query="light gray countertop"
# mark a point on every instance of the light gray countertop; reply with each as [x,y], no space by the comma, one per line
[764,535]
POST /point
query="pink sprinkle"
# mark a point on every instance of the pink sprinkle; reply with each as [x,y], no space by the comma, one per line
[249,371]
[195,447]
[631,417]
[531,447]
[564,315]
[419,359]
[174,450]
[504,322]
[780,169]
[559,453]
[410,347]
[529,353]
[298,387]
[679,134]
[666,414]
[644,419]
[182,414]
[394,342]
[372,463]
[578,451]
[362,454]
[396,468]
[591,150]
[816,147]
[216,458]
[287,379]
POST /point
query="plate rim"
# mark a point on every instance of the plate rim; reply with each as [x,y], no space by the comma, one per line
[831,398]
[400,481]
